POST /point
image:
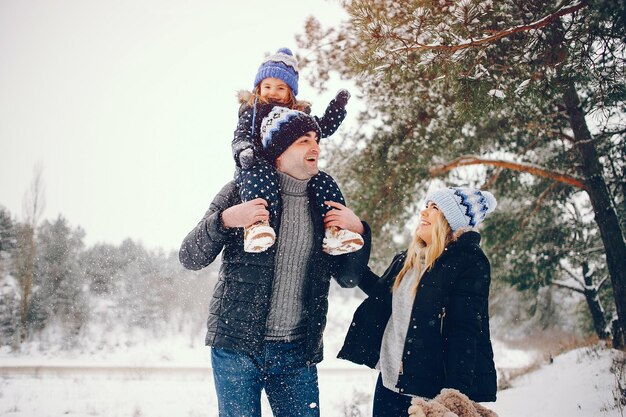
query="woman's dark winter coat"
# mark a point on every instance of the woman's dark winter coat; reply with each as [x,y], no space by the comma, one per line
[448,342]
[241,300]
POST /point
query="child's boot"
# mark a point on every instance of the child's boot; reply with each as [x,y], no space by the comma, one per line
[340,241]
[258,237]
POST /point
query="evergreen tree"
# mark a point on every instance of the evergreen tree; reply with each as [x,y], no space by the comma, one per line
[7,239]
[101,263]
[506,86]
[9,307]
[102,288]
[60,285]
[554,245]
[144,286]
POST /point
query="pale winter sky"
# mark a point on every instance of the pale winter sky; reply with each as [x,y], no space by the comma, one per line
[130,105]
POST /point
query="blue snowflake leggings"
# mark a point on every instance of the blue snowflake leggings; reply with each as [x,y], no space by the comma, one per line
[262,181]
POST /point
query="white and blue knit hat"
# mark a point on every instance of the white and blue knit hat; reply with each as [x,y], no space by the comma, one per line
[281,65]
[463,207]
[282,127]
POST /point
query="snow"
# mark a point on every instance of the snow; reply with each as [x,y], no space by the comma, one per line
[578,383]
[523,85]
[497,93]
[140,375]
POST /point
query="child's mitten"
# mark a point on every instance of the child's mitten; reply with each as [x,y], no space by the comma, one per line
[342,97]
[246,158]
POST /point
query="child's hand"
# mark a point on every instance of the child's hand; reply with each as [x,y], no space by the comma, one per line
[342,97]
[246,158]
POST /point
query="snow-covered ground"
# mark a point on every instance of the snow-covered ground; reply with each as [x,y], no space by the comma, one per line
[146,375]
[577,383]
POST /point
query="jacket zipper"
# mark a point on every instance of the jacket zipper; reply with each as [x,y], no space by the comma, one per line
[310,290]
[442,315]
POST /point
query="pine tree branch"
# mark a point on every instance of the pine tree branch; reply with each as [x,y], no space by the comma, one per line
[608,132]
[569,287]
[515,166]
[544,21]
[538,204]
[601,283]
[572,274]
[492,179]
[592,250]
[565,136]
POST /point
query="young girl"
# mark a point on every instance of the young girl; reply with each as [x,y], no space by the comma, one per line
[276,83]
[425,323]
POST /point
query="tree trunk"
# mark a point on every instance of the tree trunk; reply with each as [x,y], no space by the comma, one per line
[618,335]
[34,202]
[27,278]
[605,213]
[597,313]
[25,268]
[595,306]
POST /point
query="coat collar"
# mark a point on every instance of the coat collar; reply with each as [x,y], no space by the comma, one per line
[468,238]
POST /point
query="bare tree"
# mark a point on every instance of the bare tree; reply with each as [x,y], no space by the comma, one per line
[33,205]
[34,198]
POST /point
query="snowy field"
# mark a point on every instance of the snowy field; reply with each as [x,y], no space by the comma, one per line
[578,383]
[134,392]
[140,375]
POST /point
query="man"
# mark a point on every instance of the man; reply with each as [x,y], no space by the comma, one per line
[268,310]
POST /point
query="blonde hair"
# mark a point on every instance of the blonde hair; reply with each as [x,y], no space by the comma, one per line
[291,103]
[421,256]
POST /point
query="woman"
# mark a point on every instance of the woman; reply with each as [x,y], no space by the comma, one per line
[425,323]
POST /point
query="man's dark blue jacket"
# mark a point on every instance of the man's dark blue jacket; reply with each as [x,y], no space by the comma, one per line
[241,299]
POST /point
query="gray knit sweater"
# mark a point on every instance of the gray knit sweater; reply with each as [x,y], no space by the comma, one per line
[286,321]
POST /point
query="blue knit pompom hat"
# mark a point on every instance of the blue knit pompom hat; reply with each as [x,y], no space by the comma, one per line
[281,65]
[463,207]
[282,127]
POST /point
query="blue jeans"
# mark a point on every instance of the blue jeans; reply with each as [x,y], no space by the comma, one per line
[290,386]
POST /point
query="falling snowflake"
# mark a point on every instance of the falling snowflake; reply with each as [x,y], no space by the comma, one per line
[522,86]
[497,93]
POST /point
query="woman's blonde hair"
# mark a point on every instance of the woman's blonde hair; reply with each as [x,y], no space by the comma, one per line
[423,257]
[291,103]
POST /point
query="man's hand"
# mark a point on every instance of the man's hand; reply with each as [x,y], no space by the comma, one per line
[245,214]
[343,218]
